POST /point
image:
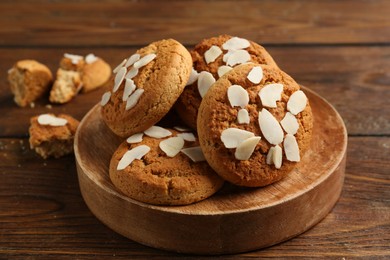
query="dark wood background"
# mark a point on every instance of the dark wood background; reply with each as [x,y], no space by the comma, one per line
[340,49]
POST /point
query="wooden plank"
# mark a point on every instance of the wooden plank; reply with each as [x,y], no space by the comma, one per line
[123,23]
[43,214]
[355,85]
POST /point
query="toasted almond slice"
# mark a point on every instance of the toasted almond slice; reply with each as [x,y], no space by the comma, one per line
[46,119]
[270,155]
[157,132]
[135,138]
[205,80]
[290,123]
[90,58]
[232,137]
[105,98]
[119,77]
[135,153]
[277,157]
[132,59]
[212,54]
[236,43]
[271,93]
[182,129]
[144,60]
[189,137]
[129,89]
[222,70]
[133,98]
[238,57]
[75,59]
[291,148]
[238,96]
[194,153]
[117,68]
[172,145]
[297,102]
[245,149]
[132,73]
[227,55]
[243,116]
[255,75]
[270,127]
[193,77]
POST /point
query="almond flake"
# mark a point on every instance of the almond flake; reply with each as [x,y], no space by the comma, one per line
[291,148]
[133,99]
[132,73]
[238,57]
[47,119]
[205,80]
[117,68]
[236,43]
[227,55]
[245,149]
[182,129]
[238,96]
[157,132]
[243,116]
[290,123]
[270,127]
[297,102]
[270,155]
[105,98]
[193,77]
[212,54]
[255,75]
[271,93]
[189,137]
[90,58]
[132,59]
[119,77]
[172,145]
[277,157]
[194,153]
[144,60]
[223,70]
[129,88]
[74,58]
[232,137]
[135,138]
[135,153]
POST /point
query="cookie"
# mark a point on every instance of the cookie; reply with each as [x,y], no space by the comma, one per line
[162,173]
[29,80]
[254,125]
[146,85]
[213,55]
[52,136]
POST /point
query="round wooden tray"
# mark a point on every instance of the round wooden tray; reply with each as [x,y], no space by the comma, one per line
[234,219]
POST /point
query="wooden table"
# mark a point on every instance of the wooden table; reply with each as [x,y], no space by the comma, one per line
[340,49]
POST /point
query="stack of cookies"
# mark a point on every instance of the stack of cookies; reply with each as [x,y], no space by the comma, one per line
[243,120]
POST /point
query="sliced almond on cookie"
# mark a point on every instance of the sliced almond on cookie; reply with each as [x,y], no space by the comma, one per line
[132,59]
[117,68]
[119,77]
[132,73]
[270,127]
[194,153]
[297,102]
[243,116]
[271,93]
[238,57]
[212,54]
[270,155]
[133,99]
[51,120]
[129,88]
[172,145]
[205,80]
[90,58]
[144,60]
[236,43]
[189,137]
[222,70]
[238,96]
[193,77]
[232,137]
[255,75]
[105,98]
[245,149]
[135,138]
[290,123]
[157,132]
[277,157]
[291,148]
[135,153]
[75,59]
[182,129]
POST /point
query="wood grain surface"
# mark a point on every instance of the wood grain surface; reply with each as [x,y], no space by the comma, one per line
[340,49]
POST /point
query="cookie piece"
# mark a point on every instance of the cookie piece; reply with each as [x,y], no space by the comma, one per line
[146,86]
[29,80]
[156,178]
[52,136]
[205,58]
[274,109]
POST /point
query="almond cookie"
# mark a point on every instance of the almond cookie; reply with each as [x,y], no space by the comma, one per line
[211,59]
[29,80]
[163,167]
[146,85]
[52,136]
[254,125]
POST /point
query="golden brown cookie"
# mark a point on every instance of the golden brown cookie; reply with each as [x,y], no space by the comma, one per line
[51,135]
[146,86]
[253,134]
[29,80]
[157,178]
[205,59]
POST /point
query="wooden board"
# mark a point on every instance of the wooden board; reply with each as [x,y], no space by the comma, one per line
[233,220]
